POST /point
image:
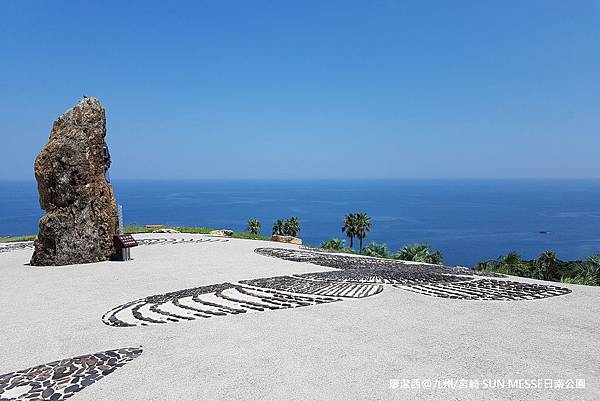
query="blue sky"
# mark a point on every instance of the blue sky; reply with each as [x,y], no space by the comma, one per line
[310,89]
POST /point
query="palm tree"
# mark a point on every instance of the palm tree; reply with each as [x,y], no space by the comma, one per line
[254,226]
[363,226]
[292,226]
[278,227]
[349,227]
[544,266]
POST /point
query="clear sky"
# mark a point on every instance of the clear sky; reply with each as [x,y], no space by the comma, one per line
[310,89]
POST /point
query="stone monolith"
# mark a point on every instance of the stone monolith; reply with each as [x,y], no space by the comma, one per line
[71,172]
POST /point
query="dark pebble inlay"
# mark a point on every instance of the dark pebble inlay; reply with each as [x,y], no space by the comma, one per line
[59,380]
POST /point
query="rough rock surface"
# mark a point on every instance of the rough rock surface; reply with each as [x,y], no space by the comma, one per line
[166,231]
[223,233]
[288,239]
[81,215]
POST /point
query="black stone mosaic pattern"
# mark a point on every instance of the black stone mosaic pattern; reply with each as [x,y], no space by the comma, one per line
[432,280]
[355,277]
[316,249]
[175,241]
[206,302]
[59,380]
[330,288]
[486,289]
[344,262]
[16,246]
[403,274]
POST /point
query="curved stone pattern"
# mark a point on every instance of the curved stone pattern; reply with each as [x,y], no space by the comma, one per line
[16,246]
[316,249]
[356,277]
[433,280]
[62,379]
[175,241]
[205,302]
[403,274]
[487,289]
[304,285]
[343,262]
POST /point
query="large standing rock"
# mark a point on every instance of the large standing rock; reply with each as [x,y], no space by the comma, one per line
[81,216]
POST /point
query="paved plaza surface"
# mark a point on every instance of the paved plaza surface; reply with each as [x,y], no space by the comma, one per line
[197,317]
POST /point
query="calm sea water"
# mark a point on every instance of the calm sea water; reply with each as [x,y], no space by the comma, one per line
[467,220]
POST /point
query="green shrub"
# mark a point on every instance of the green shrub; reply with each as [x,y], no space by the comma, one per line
[334,244]
[250,236]
[376,250]
[578,280]
[546,267]
[17,238]
[419,253]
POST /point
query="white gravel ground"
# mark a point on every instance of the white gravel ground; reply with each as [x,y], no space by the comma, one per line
[350,350]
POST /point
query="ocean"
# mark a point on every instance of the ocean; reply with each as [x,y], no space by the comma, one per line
[468,220]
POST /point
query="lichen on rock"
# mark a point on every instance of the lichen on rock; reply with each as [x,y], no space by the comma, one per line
[81,215]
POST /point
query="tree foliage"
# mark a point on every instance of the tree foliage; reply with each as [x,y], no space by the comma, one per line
[420,253]
[337,245]
[377,250]
[356,225]
[546,267]
[291,227]
[349,227]
[278,227]
[334,244]
[363,226]
[254,226]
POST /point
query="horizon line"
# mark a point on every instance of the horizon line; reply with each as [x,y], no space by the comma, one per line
[341,179]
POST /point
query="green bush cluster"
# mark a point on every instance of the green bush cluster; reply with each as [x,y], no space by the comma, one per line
[413,252]
[336,244]
[377,250]
[546,267]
